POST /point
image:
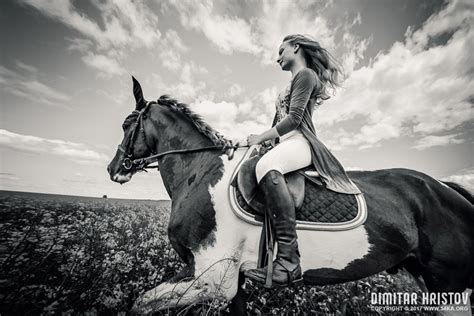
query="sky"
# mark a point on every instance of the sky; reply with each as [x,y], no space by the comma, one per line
[65,84]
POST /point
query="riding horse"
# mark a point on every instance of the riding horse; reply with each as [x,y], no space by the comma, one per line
[413,220]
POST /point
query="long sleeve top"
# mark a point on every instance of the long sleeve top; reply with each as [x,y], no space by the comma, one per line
[304,89]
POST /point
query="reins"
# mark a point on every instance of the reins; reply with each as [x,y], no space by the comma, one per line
[141,164]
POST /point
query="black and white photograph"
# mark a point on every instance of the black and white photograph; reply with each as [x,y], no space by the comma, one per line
[236,157]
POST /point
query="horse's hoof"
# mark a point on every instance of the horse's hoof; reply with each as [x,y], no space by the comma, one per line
[140,307]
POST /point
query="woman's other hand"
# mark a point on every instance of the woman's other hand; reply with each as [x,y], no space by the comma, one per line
[240,142]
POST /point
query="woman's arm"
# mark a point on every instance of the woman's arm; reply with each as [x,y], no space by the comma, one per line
[270,134]
[302,88]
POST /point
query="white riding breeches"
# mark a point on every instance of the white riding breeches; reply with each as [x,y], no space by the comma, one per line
[292,153]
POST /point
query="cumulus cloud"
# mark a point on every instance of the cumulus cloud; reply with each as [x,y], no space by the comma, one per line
[76,152]
[122,25]
[234,90]
[223,117]
[416,88]
[228,33]
[171,48]
[268,22]
[105,64]
[280,18]
[170,53]
[25,83]
[187,89]
[434,140]
[464,178]
[238,119]
[354,47]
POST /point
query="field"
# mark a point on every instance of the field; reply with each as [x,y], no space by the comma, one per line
[76,254]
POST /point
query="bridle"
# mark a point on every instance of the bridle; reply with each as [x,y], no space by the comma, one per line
[141,164]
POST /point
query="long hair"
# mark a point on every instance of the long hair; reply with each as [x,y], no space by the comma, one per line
[329,71]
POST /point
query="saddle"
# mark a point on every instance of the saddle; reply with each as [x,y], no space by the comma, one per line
[313,202]
[316,207]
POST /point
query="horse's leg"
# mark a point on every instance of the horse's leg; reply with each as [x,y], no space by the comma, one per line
[238,304]
[418,279]
[459,309]
[412,268]
[212,280]
[468,306]
[421,283]
[441,274]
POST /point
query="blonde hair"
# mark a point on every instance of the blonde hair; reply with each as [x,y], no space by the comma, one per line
[329,71]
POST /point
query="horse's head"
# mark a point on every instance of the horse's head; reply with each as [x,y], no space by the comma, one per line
[138,140]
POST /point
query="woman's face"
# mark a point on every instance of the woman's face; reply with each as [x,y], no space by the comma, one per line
[286,55]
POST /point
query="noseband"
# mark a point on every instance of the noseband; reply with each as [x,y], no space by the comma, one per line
[142,164]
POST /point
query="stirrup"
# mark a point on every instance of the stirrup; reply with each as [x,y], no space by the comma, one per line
[268,282]
[295,283]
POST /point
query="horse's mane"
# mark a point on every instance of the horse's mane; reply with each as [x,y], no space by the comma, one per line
[195,119]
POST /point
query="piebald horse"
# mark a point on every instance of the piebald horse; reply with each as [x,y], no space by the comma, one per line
[414,221]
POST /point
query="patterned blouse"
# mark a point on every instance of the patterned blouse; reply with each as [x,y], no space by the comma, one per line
[282,104]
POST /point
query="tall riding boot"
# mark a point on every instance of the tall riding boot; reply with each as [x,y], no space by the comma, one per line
[280,206]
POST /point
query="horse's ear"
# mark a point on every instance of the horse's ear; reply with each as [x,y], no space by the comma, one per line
[137,92]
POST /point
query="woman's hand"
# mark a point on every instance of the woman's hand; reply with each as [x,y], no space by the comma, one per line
[253,139]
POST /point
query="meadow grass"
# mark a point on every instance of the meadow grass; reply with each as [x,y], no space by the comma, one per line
[65,254]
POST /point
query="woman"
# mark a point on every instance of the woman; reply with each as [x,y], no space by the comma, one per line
[313,71]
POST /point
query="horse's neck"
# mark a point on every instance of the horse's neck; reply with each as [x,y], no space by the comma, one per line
[177,170]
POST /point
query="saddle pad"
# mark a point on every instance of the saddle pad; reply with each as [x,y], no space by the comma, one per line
[319,205]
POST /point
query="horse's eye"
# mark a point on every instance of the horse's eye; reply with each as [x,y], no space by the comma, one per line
[124,126]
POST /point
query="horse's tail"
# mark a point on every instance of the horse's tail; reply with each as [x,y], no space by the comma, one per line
[459,189]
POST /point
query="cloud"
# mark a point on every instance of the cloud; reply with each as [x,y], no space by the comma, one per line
[25,84]
[76,152]
[170,50]
[121,23]
[105,64]
[228,33]
[26,67]
[464,178]
[121,26]
[234,90]
[238,119]
[281,18]
[190,69]
[80,44]
[170,53]
[9,176]
[416,88]
[354,47]
[433,140]
[184,91]
[223,116]
[260,26]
